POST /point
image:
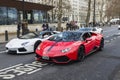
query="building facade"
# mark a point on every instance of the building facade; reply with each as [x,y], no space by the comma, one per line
[14,11]
[79,10]
[53,14]
[100,8]
[27,10]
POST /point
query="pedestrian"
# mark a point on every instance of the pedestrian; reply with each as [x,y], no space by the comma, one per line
[54,28]
[43,27]
[25,29]
[47,26]
[19,26]
[67,26]
[18,29]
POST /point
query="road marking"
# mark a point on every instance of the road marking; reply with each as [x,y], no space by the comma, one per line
[11,67]
[2,51]
[34,71]
[115,38]
[107,41]
[21,69]
[111,39]
[107,36]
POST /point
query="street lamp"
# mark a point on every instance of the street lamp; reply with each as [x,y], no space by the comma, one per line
[94,17]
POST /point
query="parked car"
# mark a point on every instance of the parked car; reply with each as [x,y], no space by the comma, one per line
[118,27]
[69,46]
[27,43]
[92,29]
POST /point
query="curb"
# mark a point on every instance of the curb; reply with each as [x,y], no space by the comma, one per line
[3,42]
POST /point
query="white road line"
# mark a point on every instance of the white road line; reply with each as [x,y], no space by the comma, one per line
[107,36]
[2,51]
[111,39]
[10,67]
[115,38]
[107,41]
[34,71]
[118,36]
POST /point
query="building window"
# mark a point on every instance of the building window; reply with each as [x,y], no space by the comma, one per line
[12,16]
[3,15]
[8,16]
[39,16]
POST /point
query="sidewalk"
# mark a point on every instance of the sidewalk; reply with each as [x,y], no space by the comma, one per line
[10,36]
[14,35]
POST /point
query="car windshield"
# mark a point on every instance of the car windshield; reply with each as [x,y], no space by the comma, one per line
[42,34]
[29,36]
[66,36]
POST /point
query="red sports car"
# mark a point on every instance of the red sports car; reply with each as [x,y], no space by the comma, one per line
[69,46]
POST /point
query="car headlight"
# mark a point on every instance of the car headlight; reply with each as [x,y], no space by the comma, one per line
[23,44]
[66,50]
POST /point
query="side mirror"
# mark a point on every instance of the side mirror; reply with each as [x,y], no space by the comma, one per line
[88,39]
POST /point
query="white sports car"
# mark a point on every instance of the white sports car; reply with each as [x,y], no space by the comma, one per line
[28,43]
[92,29]
[118,27]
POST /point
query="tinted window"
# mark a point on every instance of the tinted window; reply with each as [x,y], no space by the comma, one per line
[86,35]
[66,36]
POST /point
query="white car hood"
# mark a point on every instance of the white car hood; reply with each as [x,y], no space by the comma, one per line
[119,26]
[16,43]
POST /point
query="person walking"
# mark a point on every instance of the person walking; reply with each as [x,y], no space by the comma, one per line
[18,29]
[47,26]
[43,27]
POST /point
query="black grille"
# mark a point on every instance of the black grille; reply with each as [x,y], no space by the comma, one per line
[22,50]
[58,59]
[62,59]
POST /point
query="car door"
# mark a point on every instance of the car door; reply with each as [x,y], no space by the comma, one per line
[89,42]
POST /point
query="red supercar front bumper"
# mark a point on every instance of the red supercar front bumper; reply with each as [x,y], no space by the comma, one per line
[60,59]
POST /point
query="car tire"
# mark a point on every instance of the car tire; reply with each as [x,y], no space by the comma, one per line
[81,53]
[101,45]
[36,45]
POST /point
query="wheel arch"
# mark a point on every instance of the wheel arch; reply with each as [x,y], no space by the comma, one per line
[36,44]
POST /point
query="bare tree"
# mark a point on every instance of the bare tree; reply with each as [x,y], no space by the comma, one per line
[113,9]
[88,13]
[63,7]
[100,6]
[59,15]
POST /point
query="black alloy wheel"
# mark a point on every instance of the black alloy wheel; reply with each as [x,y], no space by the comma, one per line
[81,54]
[36,45]
[101,45]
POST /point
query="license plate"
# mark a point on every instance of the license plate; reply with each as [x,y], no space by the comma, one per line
[45,57]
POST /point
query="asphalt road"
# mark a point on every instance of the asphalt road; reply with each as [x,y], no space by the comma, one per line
[103,65]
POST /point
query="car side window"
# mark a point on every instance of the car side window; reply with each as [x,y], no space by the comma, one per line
[86,35]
